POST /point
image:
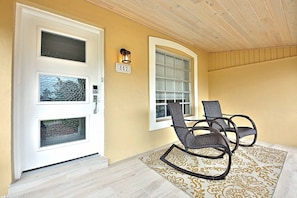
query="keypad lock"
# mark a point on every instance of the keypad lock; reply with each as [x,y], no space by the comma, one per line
[95,98]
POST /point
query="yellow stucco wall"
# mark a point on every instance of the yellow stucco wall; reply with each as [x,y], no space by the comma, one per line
[6,42]
[266,91]
[126,95]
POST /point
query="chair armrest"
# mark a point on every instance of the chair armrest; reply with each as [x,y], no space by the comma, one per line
[225,118]
[240,115]
[209,124]
[246,117]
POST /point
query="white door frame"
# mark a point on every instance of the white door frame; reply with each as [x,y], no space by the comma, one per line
[17,84]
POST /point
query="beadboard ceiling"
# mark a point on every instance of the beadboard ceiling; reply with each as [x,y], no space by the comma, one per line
[215,25]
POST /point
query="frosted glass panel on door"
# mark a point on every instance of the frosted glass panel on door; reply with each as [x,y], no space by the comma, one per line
[62,47]
[62,88]
[59,131]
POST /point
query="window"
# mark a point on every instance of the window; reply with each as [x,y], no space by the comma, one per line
[60,131]
[173,78]
[173,83]
[61,88]
[58,46]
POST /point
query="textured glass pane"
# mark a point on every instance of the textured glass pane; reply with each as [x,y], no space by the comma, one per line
[179,96]
[179,74]
[160,111]
[160,71]
[178,86]
[160,84]
[59,131]
[57,46]
[59,88]
[186,76]
[187,109]
[187,97]
[160,59]
[179,63]
[169,85]
[170,96]
[186,86]
[187,65]
[170,73]
[160,97]
[169,61]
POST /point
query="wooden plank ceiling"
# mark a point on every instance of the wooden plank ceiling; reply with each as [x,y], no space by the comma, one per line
[215,25]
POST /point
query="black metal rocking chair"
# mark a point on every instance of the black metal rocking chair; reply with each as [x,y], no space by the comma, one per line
[212,139]
[212,110]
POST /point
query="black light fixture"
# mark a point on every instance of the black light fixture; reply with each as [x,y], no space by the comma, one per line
[126,56]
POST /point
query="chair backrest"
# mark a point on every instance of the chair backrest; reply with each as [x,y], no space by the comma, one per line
[212,110]
[179,122]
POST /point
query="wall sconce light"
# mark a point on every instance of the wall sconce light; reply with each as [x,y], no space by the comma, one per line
[126,56]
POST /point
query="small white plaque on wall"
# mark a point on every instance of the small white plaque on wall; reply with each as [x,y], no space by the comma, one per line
[123,68]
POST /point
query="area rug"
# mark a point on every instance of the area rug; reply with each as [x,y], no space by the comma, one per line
[254,172]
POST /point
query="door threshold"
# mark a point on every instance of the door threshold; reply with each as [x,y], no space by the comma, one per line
[57,173]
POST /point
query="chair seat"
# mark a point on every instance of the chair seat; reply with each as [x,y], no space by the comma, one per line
[246,131]
[243,131]
[206,140]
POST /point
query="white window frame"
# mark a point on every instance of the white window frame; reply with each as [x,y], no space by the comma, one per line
[153,43]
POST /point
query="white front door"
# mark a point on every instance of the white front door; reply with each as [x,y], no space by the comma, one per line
[58,89]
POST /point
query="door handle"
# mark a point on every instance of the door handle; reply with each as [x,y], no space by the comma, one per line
[95,97]
[95,101]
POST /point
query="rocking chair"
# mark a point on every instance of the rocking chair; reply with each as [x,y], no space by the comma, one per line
[212,110]
[213,139]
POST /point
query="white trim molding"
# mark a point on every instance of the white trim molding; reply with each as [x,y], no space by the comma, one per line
[153,43]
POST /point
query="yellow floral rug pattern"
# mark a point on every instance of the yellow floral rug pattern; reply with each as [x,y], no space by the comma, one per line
[254,172]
